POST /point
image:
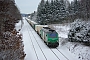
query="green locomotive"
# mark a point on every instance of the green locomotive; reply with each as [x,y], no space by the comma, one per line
[49,36]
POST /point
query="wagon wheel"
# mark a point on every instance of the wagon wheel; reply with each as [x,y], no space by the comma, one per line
[44,42]
[48,44]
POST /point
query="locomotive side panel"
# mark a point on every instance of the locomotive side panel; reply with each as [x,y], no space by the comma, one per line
[44,35]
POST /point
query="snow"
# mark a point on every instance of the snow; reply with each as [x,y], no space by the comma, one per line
[62,30]
[80,51]
[36,49]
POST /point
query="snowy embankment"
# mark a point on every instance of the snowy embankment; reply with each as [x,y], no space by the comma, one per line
[78,50]
[35,47]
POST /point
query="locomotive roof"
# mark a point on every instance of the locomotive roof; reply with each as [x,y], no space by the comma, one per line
[47,29]
[34,22]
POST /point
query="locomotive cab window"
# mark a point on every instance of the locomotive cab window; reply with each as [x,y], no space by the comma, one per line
[52,35]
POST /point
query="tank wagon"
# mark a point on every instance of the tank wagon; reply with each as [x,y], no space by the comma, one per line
[48,35]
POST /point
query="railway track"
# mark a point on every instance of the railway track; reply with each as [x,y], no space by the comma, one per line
[57,54]
[33,45]
[37,44]
[62,54]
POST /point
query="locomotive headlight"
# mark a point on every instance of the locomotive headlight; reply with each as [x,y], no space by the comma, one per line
[57,40]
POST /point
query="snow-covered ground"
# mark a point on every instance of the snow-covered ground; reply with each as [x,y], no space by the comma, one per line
[36,49]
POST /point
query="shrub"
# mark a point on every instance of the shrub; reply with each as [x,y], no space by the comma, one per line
[79,32]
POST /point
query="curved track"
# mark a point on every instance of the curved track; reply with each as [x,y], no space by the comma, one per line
[38,49]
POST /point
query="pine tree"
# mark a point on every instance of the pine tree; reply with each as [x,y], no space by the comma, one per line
[62,13]
[47,12]
[52,10]
[57,10]
[77,9]
[41,12]
[74,10]
[85,9]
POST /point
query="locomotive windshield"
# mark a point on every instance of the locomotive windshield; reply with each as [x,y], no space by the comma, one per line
[52,35]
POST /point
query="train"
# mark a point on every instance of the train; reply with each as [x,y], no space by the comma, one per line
[48,35]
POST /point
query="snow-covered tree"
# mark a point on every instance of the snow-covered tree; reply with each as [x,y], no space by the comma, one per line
[57,6]
[85,9]
[52,11]
[62,12]
[41,12]
[80,32]
[79,9]
[74,10]
[47,13]
[33,16]
[11,47]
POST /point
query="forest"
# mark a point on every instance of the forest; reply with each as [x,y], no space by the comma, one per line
[62,11]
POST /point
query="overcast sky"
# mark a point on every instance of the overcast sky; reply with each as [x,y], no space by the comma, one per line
[27,6]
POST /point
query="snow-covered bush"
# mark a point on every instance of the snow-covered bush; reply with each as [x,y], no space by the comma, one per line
[11,46]
[80,32]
